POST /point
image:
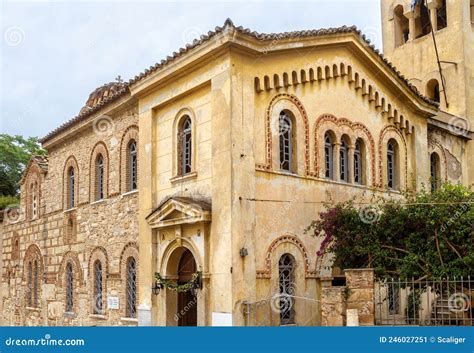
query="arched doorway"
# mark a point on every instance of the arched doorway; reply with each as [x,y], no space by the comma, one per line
[187,301]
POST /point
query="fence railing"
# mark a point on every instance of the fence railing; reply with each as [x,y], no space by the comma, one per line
[279,310]
[447,302]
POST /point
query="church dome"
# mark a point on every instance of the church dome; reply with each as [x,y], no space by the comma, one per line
[101,94]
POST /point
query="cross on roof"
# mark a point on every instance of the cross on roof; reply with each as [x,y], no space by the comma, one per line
[119,79]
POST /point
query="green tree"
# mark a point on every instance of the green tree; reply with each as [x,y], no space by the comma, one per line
[15,151]
[424,235]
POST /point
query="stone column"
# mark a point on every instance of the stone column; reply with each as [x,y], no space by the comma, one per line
[360,287]
[411,24]
[432,6]
[333,304]
[350,163]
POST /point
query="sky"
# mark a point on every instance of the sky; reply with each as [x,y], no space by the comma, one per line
[55,53]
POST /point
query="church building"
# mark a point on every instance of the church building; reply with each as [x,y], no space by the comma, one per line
[181,197]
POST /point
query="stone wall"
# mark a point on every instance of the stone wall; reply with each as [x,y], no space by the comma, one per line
[106,229]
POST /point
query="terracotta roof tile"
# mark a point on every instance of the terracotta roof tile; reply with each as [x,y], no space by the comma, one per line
[259,36]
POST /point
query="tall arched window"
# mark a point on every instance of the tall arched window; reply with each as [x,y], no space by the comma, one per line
[131,288]
[285,130]
[358,162]
[343,161]
[99,177]
[392,164]
[132,166]
[328,156]
[97,300]
[34,199]
[69,288]
[432,90]
[35,283]
[442,15]
[401,26]
[286,269]
[30,284]
[434,171]
[70,188]
[185,146]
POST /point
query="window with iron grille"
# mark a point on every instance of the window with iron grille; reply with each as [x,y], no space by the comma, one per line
[100,177]
[357,164]
[35,283]
[328,156]
[391,165]
[34,200]
[30,284]
[185,147]
[133,165]
[71,188]
[343,161]
[69,288]
[286,269]
[98,305]
[131,290]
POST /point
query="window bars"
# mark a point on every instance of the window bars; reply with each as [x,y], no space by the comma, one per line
[391,165]
[69,288]
[357,164]
[100,177]
[71,188]
[133,165]
[98,306]
[285,136]
[286,267]
[185,143]
[131,290]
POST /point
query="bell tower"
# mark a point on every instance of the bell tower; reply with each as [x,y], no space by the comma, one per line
[431,42]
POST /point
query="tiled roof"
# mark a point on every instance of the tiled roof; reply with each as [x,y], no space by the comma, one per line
[280,36]
[41,161]
[256,35]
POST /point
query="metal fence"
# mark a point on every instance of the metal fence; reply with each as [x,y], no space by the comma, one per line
[279,310]
[447,302]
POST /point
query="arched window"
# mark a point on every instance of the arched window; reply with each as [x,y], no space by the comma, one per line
[422,22]
[358,162]
[343,163]
[34,199]
[185,146]
[442,15]
[132,172]
[30,284]
[99,177]
[432,90]
[392,164]
[286,141]
[401,26]
[131,288]
[286,269]
[97,300]
[71,199]
[328,156]
[69,288]
[434,171]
